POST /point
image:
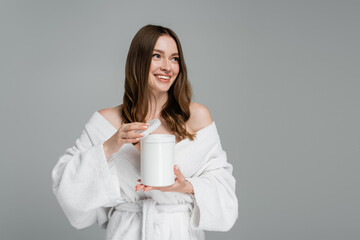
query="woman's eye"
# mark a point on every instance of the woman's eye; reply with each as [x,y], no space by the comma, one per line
[156,55]
[176,59]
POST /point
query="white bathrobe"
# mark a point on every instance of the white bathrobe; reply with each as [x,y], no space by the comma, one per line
[90,190]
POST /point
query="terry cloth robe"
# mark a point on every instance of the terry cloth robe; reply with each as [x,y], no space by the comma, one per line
[92,190]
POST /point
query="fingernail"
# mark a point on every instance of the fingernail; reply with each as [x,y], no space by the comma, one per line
[176,167]
[145,126]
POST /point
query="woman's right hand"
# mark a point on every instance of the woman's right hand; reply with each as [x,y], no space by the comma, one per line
[125,134]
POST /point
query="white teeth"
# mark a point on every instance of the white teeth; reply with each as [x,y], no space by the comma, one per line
[163,77]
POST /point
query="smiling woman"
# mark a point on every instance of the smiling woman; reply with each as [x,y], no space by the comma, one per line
[96,180]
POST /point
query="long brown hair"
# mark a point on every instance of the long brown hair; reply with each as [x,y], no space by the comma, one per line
[176,111]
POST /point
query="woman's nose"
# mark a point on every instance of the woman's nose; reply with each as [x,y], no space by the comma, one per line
[165,65]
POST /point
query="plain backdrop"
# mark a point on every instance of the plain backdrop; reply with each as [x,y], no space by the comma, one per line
[280,79]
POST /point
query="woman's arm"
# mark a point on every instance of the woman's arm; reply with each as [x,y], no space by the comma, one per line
[215,202]
[216,205]
[83,182]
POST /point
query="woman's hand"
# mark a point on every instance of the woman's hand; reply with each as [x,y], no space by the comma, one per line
[125,134]
[180,185]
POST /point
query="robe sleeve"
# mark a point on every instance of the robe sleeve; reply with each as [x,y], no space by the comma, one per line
[215,202]
[84,184]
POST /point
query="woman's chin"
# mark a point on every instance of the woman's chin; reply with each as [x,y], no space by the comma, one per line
[160,90]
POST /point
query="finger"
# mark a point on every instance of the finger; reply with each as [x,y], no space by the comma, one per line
[135,126]
[131,135]
[139,187]
[166,188]
[180,177]
[131,140]
[163,189]
[148,189]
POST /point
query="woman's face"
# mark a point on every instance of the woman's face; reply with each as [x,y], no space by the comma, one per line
[164,66]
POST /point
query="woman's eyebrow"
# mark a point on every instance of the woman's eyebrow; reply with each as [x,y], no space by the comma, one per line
[161,51]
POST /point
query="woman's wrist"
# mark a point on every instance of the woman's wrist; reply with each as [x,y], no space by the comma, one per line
[189,187]
[108,150]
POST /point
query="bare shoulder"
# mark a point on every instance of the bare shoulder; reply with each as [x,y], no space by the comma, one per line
[200,116]
[113,115]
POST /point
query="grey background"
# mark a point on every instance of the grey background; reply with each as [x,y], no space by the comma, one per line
[279,78]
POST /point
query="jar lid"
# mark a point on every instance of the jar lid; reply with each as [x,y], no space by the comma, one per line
[154,124]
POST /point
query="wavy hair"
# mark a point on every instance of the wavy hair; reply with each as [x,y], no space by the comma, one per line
[176,111]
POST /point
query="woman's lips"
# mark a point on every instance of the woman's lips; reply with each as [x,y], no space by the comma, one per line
[162,79]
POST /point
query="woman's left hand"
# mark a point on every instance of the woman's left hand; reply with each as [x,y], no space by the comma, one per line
[180,185]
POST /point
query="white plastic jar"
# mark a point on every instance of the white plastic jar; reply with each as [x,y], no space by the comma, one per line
[157,160]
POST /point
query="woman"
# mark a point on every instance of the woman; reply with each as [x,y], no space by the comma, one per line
[97,179]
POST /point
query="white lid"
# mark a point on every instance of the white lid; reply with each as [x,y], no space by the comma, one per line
[154,124]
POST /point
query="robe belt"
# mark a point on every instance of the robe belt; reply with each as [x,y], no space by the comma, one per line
[149,208]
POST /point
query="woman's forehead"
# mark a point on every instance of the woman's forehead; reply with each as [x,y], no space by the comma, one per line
[166,44]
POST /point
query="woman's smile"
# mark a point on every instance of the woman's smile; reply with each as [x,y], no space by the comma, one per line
[163,77]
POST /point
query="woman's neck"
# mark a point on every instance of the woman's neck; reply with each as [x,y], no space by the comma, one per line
[155,107]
